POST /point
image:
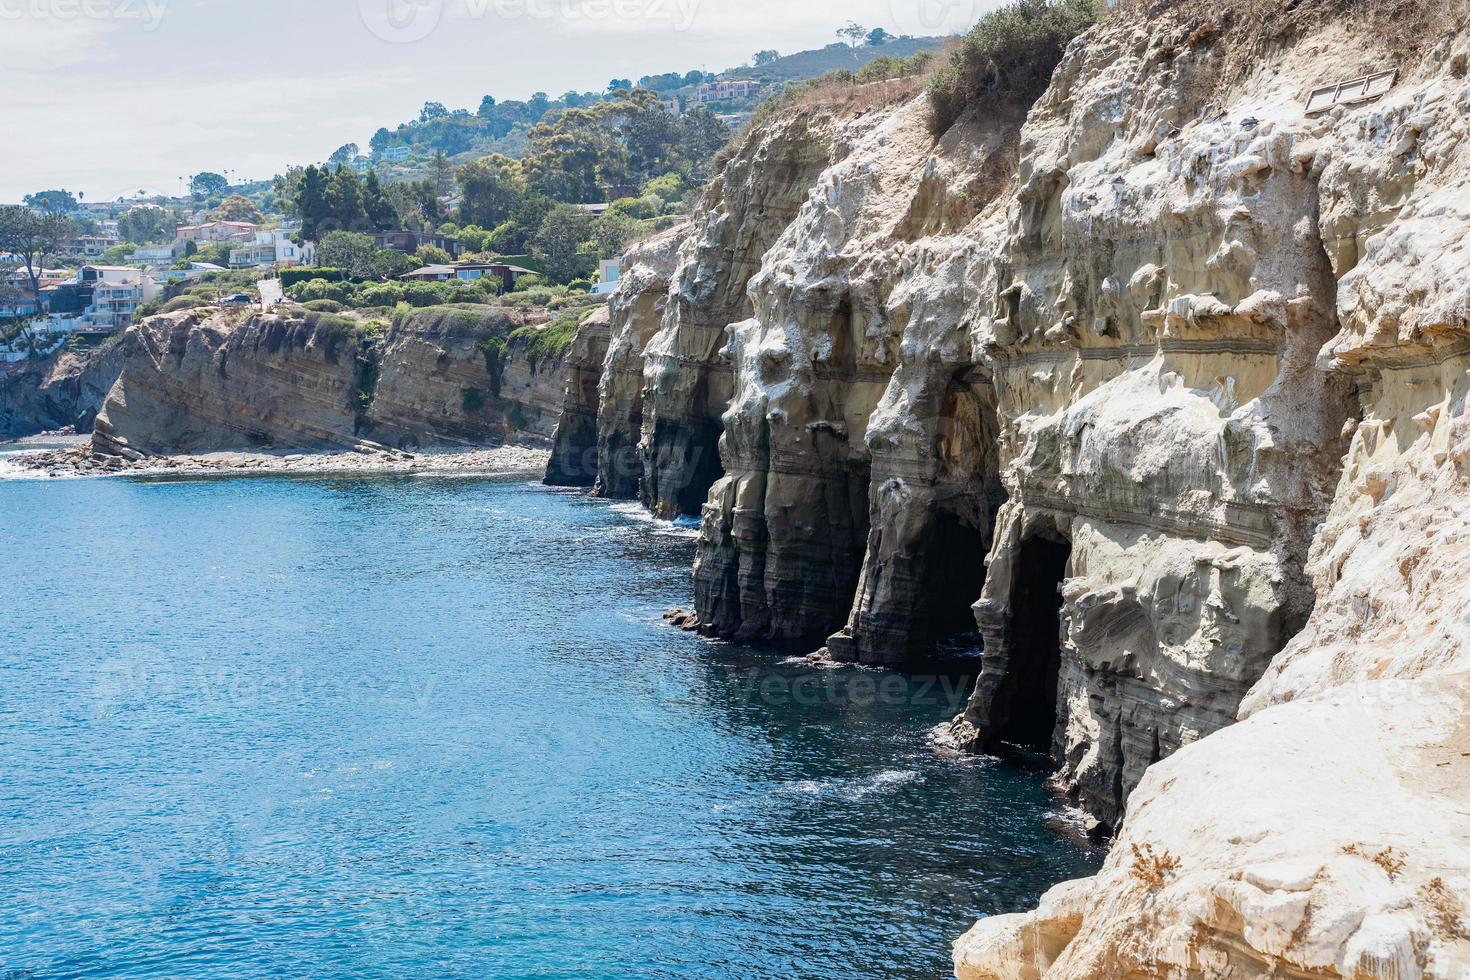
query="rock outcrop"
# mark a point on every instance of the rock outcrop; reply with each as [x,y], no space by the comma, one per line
[574,443]
[206,381]
[64,390]
[637,309]
[687,374]
[1325,834]
[460,376]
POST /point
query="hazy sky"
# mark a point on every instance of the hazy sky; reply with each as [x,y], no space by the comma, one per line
[111,96]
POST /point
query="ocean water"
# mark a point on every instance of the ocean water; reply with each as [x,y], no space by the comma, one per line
[410,728]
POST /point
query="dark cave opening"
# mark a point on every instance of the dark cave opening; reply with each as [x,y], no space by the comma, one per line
[955,560]
[1034,645]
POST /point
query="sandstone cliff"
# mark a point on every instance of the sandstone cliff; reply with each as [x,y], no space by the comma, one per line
[204,381]
[66,389]
[1324,836]
[1168,382]
[687,373]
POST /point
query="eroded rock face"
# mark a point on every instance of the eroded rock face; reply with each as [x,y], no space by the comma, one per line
[194,382]
[574,444]
[440,383]
[65,389]
[206,381]
[1322,838]
[1160,305]
[687,374]
[637,309]
[1324,835]
[814,505]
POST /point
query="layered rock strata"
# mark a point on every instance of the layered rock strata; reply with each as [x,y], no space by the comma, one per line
[205,381]
[66,389]
[687,374]
[870,263]
[574,443]
[1324,835]
[637,309]
[1178,404]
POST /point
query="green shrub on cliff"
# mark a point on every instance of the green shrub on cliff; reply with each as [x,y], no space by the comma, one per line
[549,342]
[1009,54]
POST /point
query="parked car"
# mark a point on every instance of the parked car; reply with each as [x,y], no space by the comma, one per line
[239,299]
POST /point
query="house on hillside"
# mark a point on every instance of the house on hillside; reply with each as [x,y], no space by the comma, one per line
[469,272]
[270,248]
[85,247]
[430,273]
[101,300]
[727,88]
[219,231]
[409,242]
[609,271]
[157,254]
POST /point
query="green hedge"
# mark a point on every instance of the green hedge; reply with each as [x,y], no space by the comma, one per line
[290,277]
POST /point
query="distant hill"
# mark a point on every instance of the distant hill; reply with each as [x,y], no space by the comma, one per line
[501,127]
[834,57]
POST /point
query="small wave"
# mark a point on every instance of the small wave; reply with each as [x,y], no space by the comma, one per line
[672,529]
[854,789]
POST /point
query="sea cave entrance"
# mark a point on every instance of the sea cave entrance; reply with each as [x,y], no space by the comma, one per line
[955,564]
[1029,697]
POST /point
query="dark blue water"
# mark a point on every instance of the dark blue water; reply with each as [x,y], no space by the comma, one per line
[434,728]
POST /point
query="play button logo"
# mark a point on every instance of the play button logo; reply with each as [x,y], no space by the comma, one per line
[401,21]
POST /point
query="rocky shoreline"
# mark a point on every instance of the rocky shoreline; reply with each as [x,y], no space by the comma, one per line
[81,461]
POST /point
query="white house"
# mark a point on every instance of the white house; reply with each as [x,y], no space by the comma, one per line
[116,292]
[269,248]
[608,272]
[157,254]
[219,231]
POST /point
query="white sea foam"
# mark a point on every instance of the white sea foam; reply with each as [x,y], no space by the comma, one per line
[855,789]
[637,512]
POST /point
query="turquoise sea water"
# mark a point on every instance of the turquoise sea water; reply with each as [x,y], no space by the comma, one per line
[435,728]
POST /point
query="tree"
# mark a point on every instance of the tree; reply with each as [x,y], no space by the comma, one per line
[416,203]
[433,255]
[238,207]
[487,107]
[559,241]
[488,189]
[854,33]
[619,85]
[311,203]
[379,208]
[31,237]
[443,173]
[355,254]
[146,224]
[612,232]
[52,202]
[878,37]
[763,58]
[432,111]
[344,202]
[207,185]
[381,140]
[343,154]
[701,136]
